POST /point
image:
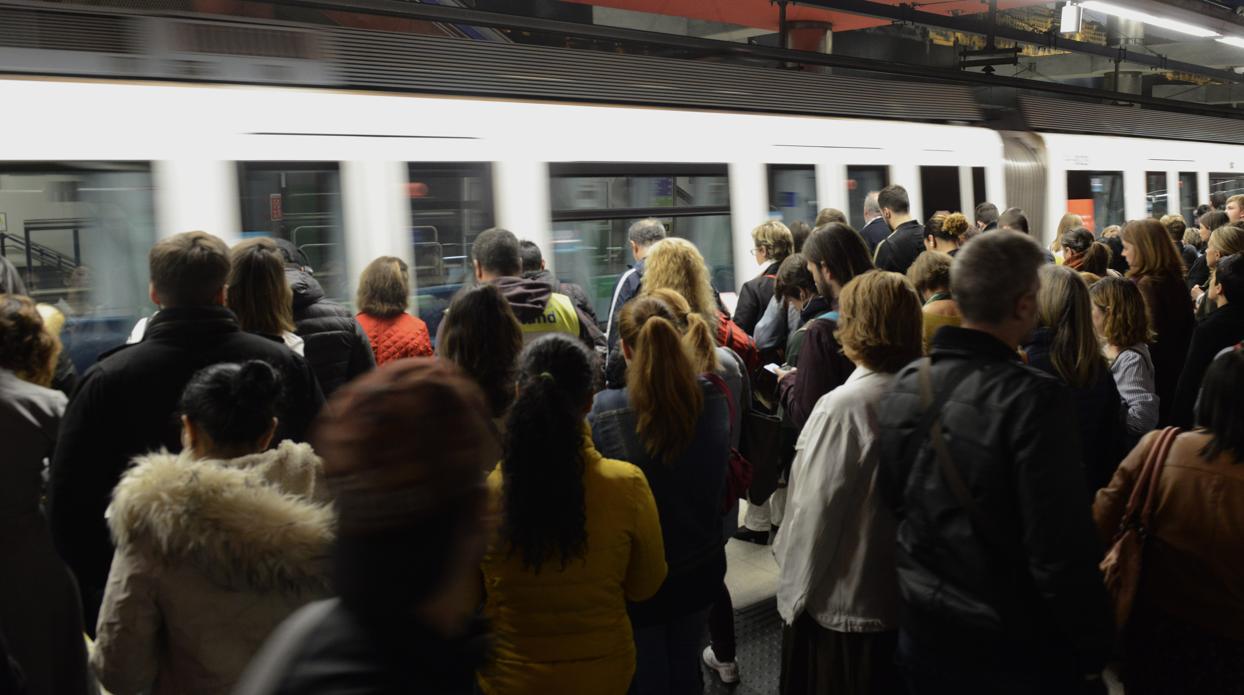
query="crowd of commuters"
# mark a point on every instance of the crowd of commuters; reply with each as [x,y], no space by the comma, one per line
[939,427]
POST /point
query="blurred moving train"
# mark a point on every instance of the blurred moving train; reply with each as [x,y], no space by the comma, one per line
[93,171]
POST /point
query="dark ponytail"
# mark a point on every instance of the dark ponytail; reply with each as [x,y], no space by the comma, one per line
[233,403]
[544,515]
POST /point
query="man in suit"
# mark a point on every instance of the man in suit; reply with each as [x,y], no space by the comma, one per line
[875,230]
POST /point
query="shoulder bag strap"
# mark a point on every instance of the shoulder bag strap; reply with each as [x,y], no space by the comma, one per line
[1145,478]
[1160,452]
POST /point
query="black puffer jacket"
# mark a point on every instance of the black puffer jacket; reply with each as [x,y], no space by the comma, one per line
[336,345]
[1018,587]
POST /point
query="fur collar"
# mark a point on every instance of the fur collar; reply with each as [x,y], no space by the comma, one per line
[258,522]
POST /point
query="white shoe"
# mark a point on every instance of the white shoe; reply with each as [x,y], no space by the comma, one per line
[727,671]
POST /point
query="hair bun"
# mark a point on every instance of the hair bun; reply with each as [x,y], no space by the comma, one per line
[256,382]
[955,225]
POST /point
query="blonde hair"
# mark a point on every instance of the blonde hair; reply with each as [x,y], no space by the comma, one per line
[676,264]
[661,382]
[775,239]
[1063,307]
[697,336]
[384,288]
[257,291]
[1227,240]
[1068,222]
[1126,320]
[880,322]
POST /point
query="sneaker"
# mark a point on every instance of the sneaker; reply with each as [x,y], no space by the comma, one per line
[727,671]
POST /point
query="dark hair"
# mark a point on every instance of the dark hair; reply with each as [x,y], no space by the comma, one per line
[1218,201]
[188,269]
[496,251]
[1229,274]
[983,293]
[27,348]
[646,232]
[827,215]
[530,255]
[1200,210]
[482,336]
[987,213]
[894,198]
[1014,218]
[233,403]
[1214,219]
[800,231]
[930,272]
[1175,226]
[793,276]
[258,293]
[840,250]
[1096,259]
[1078,240]
[544,510]
[384,288]
[1220,409]
[1155,255]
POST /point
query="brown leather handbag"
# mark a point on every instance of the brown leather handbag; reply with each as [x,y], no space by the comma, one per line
[1122,564]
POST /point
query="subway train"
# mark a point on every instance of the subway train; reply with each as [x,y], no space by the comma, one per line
[93,171]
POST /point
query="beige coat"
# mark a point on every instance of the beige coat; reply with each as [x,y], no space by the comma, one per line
[211,556]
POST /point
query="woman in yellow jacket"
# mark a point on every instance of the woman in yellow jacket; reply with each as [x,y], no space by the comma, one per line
[579,537]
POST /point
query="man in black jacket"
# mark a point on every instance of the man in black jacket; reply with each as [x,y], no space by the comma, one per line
[126,403]
[997,552]
[986,217]
[899,250]
[875,229]
[336,345]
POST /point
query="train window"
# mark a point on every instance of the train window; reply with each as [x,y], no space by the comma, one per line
[1227,184]
[792,192]
[450,203]
[1096,196]
[1155,193]
[594,204]
[862,180]
[979,193]
[78,235]
[1188,198]
[939,190]
[300,202]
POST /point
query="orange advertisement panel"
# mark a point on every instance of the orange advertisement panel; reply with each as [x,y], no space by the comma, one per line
[1084,208]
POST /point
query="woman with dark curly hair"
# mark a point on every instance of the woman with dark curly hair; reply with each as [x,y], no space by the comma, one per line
[39,605]
[580,537]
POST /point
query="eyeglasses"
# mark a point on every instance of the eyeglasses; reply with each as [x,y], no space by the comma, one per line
[756,250]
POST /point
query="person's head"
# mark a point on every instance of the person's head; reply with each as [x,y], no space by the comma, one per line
[1068,222]
[230,410]
[872,209]
[986,214]
[27,347]
[879,322]
[1064,308]
[1220,410]
[772,242]
[697,336]
[1217,200]
[483,337]
[794,283]
[1235,208]
[531,257]
[895,205]
[257,291]
[945,231]
[1224,241]
[1192,237]
[495,254]
[930,273]
[1119,315]
[188,270]
[384,288]
[1207,223]
[676,264]
[1228,283]
[994,281]
[661,379]
[1111,232]
[828,215]
[543,505]
[1148,250]
[1075,242]
[835,254]
[643,234]
[799,231]
[1013,219]
[1175,226]
[406,448]
[1096,259]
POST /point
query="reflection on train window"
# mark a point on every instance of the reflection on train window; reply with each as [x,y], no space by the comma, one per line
[792,192]
[301,202]
[862,180]
[78,235]
[1188,198]
[1227,184]
[450,203]
[1155,193]
[939,190]
[979,193]
[594,205]
[1096,196]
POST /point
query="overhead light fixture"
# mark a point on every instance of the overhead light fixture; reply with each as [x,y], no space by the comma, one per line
[1232,41]
[1072,15]
[1160,22]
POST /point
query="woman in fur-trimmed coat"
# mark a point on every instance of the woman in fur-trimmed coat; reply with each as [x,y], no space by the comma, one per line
[211,555]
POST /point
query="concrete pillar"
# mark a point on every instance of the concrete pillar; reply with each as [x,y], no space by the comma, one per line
[810,36]
[1125,81]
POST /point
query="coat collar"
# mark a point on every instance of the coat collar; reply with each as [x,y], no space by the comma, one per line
[191,321]
[956,341]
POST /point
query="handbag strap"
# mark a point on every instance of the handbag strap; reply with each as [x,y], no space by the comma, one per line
[1144,497]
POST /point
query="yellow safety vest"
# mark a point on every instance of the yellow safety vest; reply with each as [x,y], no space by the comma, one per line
[559,316]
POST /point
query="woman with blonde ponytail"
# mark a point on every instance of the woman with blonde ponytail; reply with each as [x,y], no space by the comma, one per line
[674,423]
